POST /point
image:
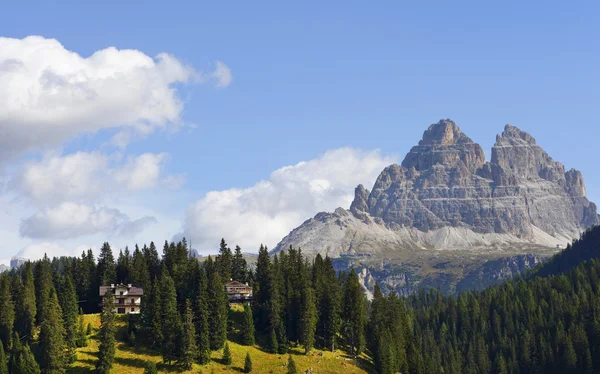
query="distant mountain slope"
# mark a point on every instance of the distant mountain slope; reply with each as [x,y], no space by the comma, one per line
[445,195]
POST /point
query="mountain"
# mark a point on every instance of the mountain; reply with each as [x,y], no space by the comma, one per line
[446,196]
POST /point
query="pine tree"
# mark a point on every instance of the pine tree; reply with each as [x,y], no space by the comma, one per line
[7,312]
[69,306]
[248,326]
[43,284]
[22,360]
[247,363]
[353,314]
[3,361]
[308,313]
[291,365]
[189,339]
[124,266]
[170,322]
[329,306]
[51,342]
[217,313]
[224,261]
[202,327]
[82,339]
[156,315]
[106,350]
[239,268]
[107,271]
[25,306]
[140,275]
[226,354]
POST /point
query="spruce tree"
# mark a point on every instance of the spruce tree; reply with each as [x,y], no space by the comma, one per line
[82,339]
[308,313]
[217,311]
[3,361]
[248,326]
[329,306]
[69,306]
[353,314]
[152,260]
[51,342]
[106,350]
[248,363]
[25,308]
[202,327]
[170,321]
[224,261]
[156,323]
[239,268]
[226,354]
[43,284]
[124,266]
[23,361]
[107,271]
[189,339]
[7,312]
[291,365]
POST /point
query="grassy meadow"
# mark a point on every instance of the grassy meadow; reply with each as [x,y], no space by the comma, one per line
[131,360]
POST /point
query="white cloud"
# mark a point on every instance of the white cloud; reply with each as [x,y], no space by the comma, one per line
[222,75]
[70,220]
[57,177]
[49,94]
[269,210]
[38,250]
[85,176]
[141,172]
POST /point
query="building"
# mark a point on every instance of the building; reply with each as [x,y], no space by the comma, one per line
[238,291]
[127,299]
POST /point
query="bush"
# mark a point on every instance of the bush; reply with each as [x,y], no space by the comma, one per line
[150,368]
[248,363]
[227,354]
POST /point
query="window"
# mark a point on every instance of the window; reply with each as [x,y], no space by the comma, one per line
[121,301]
[133,309]
[121,293]
[121,311]
[133,301]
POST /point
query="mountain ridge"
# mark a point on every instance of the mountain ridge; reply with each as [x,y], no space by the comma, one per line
[445,195]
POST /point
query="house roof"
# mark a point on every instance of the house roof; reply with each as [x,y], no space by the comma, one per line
[236,284]
[131,290]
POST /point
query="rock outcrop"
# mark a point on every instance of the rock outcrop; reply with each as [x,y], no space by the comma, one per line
[444,195]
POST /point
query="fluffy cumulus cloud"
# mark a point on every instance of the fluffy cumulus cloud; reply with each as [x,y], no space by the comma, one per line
[49,94]
[70,220]
[270,209]
[88,175]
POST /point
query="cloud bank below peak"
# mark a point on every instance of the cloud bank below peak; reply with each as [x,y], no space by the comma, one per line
[269,210]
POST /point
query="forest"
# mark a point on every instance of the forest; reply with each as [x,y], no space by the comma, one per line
[545,321]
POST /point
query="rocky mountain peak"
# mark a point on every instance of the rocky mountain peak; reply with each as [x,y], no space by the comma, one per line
[443,143]
[514,136]
[359,204]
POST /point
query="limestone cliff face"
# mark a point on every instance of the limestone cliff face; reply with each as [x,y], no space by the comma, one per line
[444,195]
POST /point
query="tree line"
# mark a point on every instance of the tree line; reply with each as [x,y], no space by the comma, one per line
[547,321]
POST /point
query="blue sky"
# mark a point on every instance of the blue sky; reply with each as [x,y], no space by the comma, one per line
[313,77]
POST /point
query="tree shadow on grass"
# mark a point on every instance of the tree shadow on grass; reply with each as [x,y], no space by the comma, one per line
[80,370]
[139,350]
[131,362]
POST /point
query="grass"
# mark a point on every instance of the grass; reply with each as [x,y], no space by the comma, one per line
[129,360]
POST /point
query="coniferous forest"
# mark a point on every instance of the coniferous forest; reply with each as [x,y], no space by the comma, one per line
[545,321]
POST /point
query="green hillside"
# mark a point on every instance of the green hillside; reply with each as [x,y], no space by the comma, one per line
[132,359]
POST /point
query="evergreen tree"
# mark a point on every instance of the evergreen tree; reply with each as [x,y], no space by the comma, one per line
[170,322]
[140,275]
[51,342]
[226,354]
[106,350]
[124,266]
[353,314]
[152,260]
[22,360]
[156,323]
[43,284]
[239,267]
[224,261]
[189,339]
[308,314]
[150,368]
[69,306]
[291,365]
[3,361]
[248,363]
[7,312]
[82,340]
[329,306]
[107,272]
[217,311]
[248,326]
[202,327]
[25,308]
